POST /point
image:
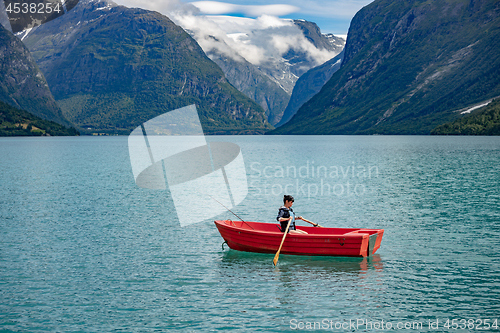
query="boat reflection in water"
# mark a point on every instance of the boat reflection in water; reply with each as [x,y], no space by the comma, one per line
[298,280]
[327,266]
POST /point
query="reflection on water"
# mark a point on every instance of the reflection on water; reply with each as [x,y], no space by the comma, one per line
[288,263]
[330,264]
[300,280]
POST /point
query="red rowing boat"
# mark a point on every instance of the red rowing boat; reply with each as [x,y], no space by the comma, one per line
[266,238]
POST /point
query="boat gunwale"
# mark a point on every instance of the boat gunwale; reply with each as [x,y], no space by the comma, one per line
[351,234]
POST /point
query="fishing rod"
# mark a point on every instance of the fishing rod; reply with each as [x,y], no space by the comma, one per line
[229,210]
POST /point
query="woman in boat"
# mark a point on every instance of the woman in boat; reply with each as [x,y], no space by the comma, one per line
[286,213]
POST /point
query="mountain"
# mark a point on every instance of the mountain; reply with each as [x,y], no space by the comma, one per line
[16,122]
[408,66]
[322,41]
[111,68]
[263,60]
[483,121]
[22,84]
[298,61]
[309,84]
[249,79]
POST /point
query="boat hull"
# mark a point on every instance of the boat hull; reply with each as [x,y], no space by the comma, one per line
[266,238]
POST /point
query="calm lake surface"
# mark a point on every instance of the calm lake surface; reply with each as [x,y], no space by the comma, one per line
[83,249]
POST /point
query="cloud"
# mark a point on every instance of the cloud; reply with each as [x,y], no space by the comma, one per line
[283,43]
[344,9]
[218,8]
[211,7]
[233,24]
[257,40]
[161,6]
[211,37]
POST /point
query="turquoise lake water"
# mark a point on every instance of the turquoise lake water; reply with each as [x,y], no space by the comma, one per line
[83,249]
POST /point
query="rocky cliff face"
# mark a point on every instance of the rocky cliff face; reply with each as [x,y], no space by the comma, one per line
[22,84]
[253,83]
[312,33]
[308,85]
[111,68]
[407,67]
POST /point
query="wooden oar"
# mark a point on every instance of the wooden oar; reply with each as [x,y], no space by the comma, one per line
[314,224]
[275,261]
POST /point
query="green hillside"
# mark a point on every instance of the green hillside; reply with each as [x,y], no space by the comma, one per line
[120,67]
[16,122]
[483,121]
[408,66]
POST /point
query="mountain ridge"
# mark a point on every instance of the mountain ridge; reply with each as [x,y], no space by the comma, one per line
[112,68]
[407,66]
[270,80]
[309,84]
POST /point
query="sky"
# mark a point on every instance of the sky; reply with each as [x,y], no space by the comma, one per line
[332,16]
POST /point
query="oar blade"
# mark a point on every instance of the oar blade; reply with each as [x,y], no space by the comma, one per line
[275,261]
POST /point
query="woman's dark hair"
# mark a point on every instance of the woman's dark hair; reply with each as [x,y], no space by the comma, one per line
[287,198]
